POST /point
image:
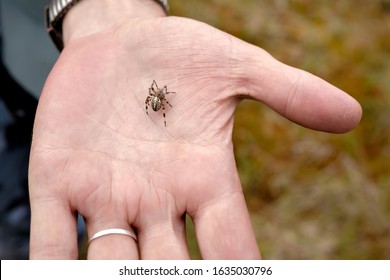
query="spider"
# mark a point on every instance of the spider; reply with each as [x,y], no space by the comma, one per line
[156,99]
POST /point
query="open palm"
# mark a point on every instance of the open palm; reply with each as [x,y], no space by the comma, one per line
[96,152]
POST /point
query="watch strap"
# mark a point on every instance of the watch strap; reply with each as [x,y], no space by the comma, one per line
[164,4]
[55,12]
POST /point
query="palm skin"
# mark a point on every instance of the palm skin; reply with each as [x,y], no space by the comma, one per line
[96,152]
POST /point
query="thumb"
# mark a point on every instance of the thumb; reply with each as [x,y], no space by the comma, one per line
[295,94]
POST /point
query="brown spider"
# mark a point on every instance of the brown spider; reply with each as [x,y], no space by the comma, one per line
[156,99]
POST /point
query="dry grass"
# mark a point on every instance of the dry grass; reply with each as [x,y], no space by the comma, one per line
[314,195]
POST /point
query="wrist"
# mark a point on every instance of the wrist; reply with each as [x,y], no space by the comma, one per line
[92,16]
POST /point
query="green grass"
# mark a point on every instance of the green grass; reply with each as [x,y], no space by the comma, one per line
[313,195]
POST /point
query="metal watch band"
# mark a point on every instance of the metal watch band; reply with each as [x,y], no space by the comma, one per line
[164,4]
[55,12]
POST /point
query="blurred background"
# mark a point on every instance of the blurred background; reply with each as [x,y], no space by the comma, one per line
[313,195]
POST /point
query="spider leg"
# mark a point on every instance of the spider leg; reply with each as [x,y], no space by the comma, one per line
[165,89]
[166,101]
[147,101]
[165,122]
[154,84]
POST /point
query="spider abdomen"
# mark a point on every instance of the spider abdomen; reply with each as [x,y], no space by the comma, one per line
[155,103]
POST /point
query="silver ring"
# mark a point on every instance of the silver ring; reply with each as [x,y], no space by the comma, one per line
[113,231]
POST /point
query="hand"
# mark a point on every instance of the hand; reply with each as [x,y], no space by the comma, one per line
[96,152]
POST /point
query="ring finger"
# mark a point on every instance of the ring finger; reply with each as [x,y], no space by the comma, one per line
[112,242]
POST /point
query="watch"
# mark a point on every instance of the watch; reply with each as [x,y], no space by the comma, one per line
[55,12]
